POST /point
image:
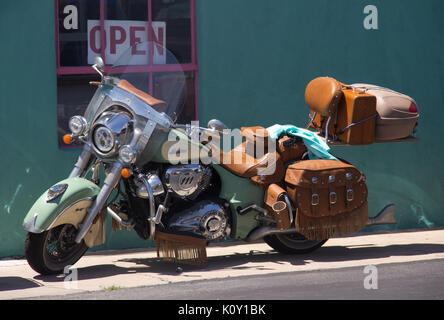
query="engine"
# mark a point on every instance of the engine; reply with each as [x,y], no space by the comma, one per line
[205,218]
[188,181]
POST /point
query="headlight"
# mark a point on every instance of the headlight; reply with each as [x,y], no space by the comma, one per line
[127,154]
[77,125]
[104,139]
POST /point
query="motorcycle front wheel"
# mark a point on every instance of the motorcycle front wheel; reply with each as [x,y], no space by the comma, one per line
[51,251]
[292,243]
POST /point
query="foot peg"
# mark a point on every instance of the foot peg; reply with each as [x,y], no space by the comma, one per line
[385,216]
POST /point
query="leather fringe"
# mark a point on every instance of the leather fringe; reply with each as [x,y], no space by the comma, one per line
[186,249]
[321,228]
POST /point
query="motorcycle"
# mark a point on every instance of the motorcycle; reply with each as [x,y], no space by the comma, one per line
[174,184]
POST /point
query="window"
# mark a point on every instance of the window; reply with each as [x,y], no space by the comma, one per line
[88,28]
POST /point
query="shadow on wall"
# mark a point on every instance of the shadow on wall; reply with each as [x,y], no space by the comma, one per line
[413,206]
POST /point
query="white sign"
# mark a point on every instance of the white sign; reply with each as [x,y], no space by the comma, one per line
[123,34]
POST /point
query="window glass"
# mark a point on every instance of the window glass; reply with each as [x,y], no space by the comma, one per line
[176,15]
[73,30]
[73,95]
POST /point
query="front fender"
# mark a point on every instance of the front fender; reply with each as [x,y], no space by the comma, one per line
[69,207]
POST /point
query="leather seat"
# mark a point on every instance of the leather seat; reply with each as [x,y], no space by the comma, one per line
[268,168]
[323,94]
[157,104]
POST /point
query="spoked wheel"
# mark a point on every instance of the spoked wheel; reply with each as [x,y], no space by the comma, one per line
[292,243]
[51,251]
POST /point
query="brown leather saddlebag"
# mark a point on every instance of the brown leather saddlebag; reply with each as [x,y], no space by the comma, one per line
[275,204]
[330,197]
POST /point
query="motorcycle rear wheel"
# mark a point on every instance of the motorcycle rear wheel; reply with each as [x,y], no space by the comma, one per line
[292,243]
[51,251]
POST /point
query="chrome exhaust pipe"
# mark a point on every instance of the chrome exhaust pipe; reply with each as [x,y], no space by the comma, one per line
[385,216]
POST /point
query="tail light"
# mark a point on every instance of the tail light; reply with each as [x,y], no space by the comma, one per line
[413,108]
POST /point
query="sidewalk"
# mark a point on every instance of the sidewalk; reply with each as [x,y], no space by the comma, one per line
[111,270]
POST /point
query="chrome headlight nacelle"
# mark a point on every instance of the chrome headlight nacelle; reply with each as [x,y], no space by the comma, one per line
[111,131]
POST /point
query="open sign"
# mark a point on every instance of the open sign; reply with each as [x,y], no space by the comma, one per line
[122,34]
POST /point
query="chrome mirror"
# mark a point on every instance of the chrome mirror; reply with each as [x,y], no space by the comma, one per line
[99,65]
[217,125]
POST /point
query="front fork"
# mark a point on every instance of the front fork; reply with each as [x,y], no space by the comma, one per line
[111,181]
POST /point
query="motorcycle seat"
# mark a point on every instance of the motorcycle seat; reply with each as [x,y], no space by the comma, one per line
[323,94]
[157,104]
[239,162]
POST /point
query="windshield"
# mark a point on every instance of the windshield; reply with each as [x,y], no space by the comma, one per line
[146,72]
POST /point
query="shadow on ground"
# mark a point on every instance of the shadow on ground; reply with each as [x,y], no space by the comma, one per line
[251,260]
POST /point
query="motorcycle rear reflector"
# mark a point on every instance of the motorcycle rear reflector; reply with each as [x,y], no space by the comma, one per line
[413,108]
[67,139]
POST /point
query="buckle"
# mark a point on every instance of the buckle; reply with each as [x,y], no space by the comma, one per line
[333,197]
[314,199]
[349,195]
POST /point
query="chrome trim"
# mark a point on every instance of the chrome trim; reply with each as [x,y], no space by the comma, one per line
[110,183]
[119,126]
[156,186]
[30,225]
[204,218]
[82,161]
[290,208]
[56,191]
[151,219]
[84,125]
[326,129]
[115,216]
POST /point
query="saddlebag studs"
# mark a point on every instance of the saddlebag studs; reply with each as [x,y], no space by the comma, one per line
[314,180]
[348,176]
[331,179]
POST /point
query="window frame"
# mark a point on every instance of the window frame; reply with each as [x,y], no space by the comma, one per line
[150,68]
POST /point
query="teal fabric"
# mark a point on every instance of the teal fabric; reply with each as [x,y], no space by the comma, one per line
[317,148]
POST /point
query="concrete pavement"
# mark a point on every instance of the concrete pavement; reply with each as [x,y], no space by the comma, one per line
[112,270]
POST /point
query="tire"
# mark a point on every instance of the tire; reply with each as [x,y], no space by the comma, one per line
[293,243]
[51,251]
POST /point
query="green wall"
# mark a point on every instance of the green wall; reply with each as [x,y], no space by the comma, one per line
[257,56]
[255,59]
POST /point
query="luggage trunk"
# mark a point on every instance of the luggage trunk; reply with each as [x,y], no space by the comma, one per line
[397,113]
